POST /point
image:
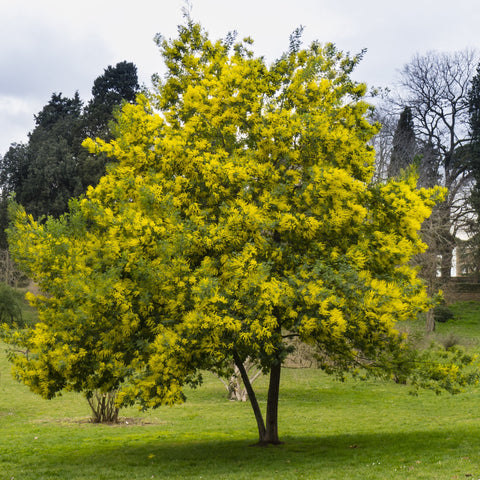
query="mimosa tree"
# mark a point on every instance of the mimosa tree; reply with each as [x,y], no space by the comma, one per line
[240,214]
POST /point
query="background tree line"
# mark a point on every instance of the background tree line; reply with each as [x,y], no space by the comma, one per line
[52,166]
[432,121]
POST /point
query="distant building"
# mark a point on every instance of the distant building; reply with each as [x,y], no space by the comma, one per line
[466,264]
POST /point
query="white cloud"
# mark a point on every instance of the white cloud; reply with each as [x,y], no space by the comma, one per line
[16,119]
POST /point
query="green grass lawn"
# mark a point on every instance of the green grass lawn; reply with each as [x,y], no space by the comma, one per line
[332,430]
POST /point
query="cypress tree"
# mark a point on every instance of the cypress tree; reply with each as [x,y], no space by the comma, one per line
[404,144]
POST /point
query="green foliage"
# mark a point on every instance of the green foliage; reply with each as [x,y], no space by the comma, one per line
[53,148]
[451,369]
[53,166]
[241,216]
[117,85]
[10,306]
[472,153]
[442,313]
[474,120]
[450,341]
[42,174]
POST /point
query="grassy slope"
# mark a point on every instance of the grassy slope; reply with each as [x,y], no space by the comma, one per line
[332,430]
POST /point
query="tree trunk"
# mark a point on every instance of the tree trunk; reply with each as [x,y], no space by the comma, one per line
[267,432]
[446,240]
[446,265]
[236,386]
[103,407]
[251,396]
[430,322]
[271,433]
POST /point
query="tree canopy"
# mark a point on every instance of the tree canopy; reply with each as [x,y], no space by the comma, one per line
[239,214]
[117,85]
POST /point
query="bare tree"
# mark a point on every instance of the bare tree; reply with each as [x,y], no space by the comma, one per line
[435,87]
[434,90]
[383,141]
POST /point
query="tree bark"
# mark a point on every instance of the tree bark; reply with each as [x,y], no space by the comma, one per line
[252,397]
[267,432]
[103,407]
[271,434]
[446,265]
[430,322]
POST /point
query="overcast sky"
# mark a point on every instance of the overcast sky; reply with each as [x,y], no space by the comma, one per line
[60,46]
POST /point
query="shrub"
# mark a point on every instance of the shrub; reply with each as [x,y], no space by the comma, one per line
[10,305]
[450,341]
[442,313]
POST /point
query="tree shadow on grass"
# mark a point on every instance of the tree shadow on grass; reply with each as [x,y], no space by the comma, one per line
[384,455]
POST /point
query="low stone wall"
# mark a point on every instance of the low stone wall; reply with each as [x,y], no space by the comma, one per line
[462,289]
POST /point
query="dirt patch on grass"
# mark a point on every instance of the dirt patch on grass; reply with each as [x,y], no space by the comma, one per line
[122,421]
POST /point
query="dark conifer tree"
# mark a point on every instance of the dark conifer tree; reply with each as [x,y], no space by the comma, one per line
[117,85]
[52,166]
[404,146]
[472,154]
[474,160]
[53,149]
